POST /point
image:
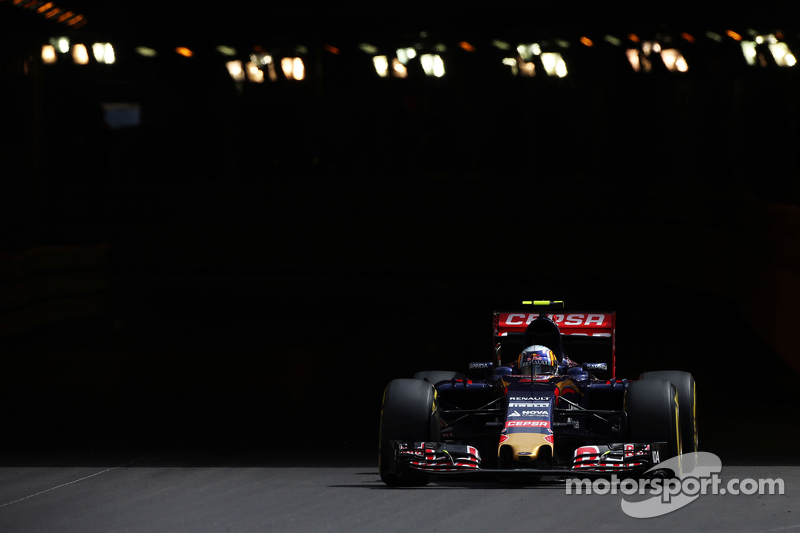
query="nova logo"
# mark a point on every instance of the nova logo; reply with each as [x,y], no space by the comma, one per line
[533,413]
[515,413]
[527,424]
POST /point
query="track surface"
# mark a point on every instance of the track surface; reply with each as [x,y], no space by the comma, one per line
[195,491]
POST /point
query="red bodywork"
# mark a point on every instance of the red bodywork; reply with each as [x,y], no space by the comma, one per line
[602,324]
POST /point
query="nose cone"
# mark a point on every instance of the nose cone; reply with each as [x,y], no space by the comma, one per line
[525,448]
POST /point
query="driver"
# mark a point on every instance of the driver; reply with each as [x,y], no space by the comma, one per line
[537,360]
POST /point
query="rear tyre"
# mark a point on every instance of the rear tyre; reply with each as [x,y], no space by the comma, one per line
[687,401]
[435,376]
[410,414]
[653,414]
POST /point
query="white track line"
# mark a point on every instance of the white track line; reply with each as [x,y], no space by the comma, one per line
[780,529]
[75,481]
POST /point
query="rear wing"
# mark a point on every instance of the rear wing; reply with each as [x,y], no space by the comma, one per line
[580,332]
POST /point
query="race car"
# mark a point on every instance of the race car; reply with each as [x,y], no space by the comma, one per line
[533,411]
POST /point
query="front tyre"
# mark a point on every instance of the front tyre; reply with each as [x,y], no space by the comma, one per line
[687,400]
[652,412]
[410,414]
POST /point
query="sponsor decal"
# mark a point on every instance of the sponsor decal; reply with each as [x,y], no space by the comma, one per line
[504,438]
[595,366]
[534,413]
[479,366]
[524,453]
[530,399]
[515,413]
[529,404]
[527,424]
[573,319]
[548,438]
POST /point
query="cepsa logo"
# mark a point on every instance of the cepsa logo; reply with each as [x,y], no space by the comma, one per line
[527,424]
[574,319]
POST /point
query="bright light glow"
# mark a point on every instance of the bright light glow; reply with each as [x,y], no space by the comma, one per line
[511,62]
[674,60]
[612,40]
[714,36]
[633,58]
[235,70]
[44,7]
[783,57]
[103,53]
[405,54]
[466,46]
[273,74]
[293,68]
[554,64]
[287,63]
[749,51]
[381,65]
[80,55]
[226,50]
[502,45]
[586,41]
[48,54]
[526,51]
[254,74]
[432,64]
[561,68]
[527,69]
[733,35]
[398,69]
[368,48]
[438,67]
[633,37]
[185,52]
[687,37]
[262,58]
[299,70]
[759,39]
[650,46]
[63,45]
[145,51]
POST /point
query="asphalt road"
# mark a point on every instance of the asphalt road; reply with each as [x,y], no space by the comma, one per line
[170,490]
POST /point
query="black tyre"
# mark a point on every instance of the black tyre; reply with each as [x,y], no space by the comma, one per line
[435,376]
[653,414]
[687,400]
[409,413]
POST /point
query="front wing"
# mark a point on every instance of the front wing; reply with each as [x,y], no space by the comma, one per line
[441,459]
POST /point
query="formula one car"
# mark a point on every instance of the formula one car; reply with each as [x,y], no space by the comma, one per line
[533,411]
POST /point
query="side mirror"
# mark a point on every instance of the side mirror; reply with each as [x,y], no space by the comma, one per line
[483,370]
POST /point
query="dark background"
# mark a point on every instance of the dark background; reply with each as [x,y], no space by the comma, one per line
[277,253]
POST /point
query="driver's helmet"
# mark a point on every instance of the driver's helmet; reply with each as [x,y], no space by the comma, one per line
[537,360]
